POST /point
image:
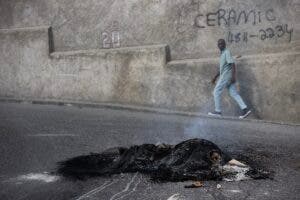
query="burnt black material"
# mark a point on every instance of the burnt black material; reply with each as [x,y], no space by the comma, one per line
[188,160]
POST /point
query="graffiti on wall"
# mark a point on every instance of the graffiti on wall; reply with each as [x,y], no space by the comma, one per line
[232,17]
[111,36]
[262,34]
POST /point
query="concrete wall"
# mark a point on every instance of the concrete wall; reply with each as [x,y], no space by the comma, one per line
[159,53]
[269,83]
[190,27]
[28,70]
[142,76]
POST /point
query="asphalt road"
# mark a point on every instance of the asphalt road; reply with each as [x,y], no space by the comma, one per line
[33,138]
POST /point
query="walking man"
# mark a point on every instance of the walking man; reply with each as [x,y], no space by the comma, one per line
[227,73]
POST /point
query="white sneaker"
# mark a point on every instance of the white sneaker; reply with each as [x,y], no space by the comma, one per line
[215,113]
[245,113]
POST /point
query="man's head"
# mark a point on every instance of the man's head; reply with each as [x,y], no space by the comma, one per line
[221,44]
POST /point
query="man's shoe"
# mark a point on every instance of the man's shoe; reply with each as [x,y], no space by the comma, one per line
[245,113]
[215,113]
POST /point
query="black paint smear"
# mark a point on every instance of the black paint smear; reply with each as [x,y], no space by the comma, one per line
[188,160]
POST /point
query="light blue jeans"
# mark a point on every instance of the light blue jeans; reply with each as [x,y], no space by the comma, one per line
[224,82]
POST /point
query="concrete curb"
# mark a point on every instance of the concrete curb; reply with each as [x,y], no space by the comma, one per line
[117,106]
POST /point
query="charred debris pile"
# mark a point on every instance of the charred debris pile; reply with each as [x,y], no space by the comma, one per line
[194,159]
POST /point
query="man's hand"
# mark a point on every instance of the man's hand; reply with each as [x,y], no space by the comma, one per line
[213,81]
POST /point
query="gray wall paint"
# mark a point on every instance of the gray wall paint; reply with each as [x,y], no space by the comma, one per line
[190,27]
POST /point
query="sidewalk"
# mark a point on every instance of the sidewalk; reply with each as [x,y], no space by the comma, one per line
[136,108]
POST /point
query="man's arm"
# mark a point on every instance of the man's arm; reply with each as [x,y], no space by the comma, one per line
[233,78]
[213,81]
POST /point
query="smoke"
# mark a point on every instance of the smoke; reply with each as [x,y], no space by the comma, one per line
[43,177]
[198,126]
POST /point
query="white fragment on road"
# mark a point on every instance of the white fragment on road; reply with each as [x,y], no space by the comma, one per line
[176,197]
[44,177]
[235,191]
[240,173]
[236,163]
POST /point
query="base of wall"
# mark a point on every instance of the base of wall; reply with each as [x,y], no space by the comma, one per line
[135,108]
